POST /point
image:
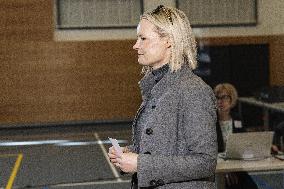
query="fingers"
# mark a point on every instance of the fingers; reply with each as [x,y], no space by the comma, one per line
[125,149]
[235,179]
[227,179]
[117,165]
[111,150]
[231,179]
[113,157]
[112,153]
[117,162]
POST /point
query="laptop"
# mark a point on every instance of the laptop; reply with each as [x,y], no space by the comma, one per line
[248,145]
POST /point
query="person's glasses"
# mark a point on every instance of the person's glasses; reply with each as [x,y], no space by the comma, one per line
[162,8]
[223,97]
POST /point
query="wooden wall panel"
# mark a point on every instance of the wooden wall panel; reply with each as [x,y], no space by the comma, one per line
[69,81]
[26,20]
[45,81]
[277,61]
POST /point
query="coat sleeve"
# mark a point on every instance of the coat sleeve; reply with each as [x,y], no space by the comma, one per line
[197,118]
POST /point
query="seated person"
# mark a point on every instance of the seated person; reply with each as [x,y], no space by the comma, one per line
[278,139]
[227,123]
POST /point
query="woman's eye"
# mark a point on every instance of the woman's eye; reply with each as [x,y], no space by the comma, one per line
[143,38]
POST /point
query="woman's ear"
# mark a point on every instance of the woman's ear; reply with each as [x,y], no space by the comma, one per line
[169,42]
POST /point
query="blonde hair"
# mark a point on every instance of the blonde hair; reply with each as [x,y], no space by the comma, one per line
[173,23]
[229,89]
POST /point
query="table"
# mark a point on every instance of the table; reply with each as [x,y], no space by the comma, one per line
[268,164]
[265,165]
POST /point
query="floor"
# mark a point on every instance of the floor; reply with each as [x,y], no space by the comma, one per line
[73,157]
[61,157]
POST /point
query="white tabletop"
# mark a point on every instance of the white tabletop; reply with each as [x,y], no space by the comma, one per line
[279,106]
[268,164]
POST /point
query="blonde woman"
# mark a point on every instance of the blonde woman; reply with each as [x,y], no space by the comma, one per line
[227,97]
[227,123]
[174,135]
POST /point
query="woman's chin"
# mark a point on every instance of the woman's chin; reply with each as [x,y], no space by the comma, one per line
[142,63]
[221,110]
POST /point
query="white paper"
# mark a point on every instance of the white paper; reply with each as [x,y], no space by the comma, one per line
[116,146]
[238,124]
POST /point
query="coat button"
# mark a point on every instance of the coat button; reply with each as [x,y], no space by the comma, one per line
[149,131]
[160,182]
[153,183]
[147,153]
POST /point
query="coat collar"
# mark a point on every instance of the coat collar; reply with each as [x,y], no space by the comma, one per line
[170,80]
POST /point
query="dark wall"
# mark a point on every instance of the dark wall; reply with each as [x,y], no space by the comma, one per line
[244,66]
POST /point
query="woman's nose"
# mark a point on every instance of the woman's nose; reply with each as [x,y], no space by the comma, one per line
[135,46]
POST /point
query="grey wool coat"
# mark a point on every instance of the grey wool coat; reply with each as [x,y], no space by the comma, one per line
[176,138]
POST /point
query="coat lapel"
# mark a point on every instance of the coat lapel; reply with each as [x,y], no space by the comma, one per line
[170,81]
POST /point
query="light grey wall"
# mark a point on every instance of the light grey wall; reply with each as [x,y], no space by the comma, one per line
[270,22]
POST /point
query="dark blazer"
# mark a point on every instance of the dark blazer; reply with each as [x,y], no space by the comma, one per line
[279,132]
[177,144]
[221,147]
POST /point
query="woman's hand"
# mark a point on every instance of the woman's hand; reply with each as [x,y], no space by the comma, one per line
[127,162]
[112,153]
[274,149]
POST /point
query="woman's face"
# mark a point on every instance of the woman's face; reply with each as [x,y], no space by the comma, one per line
[152,49]
[224,101]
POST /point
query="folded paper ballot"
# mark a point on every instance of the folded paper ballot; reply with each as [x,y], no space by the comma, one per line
[116,146]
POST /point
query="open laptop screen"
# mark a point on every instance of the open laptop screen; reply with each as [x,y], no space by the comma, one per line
[249,145]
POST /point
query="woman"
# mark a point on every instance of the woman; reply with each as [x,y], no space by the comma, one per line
[227,123]
[227,96]
[278,139]
[174,135]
